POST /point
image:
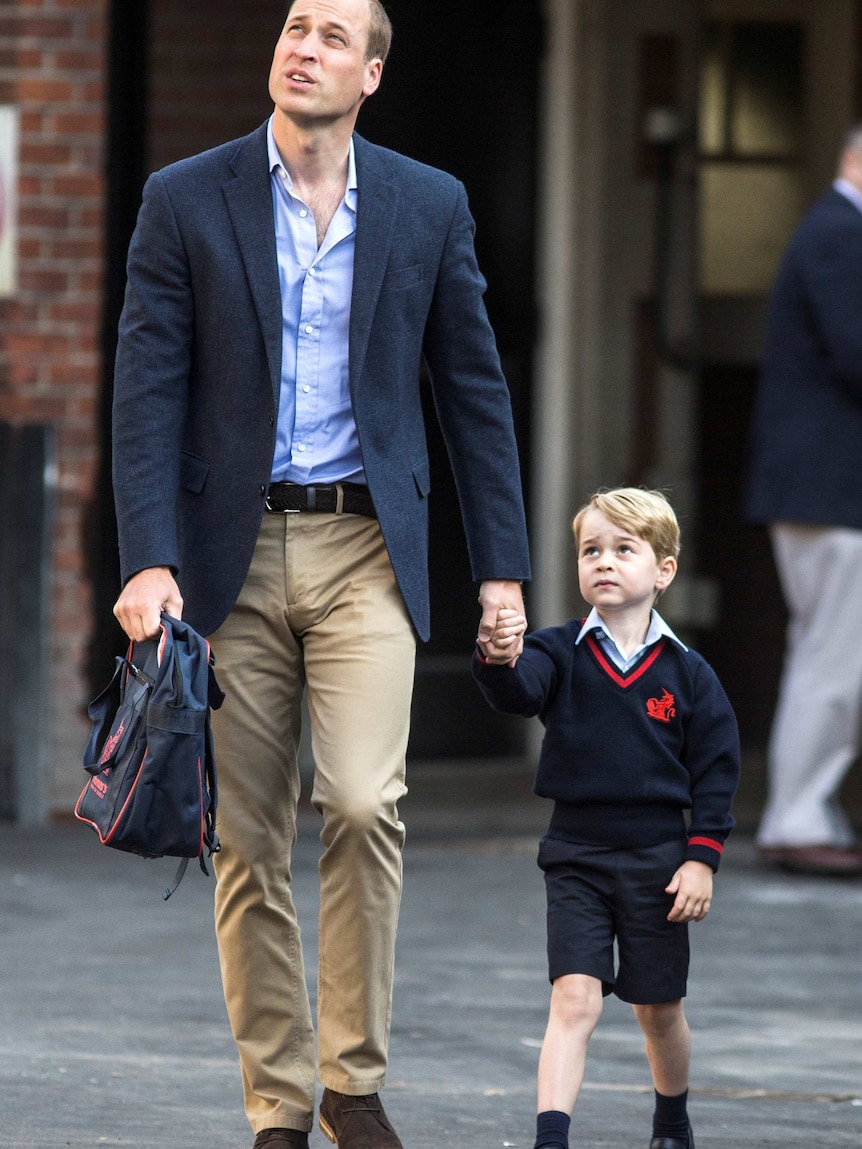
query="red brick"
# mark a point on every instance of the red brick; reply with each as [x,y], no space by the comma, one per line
[39,91]
[78,60]
[80,123]
[73,186]
[74,311]
[46,28]
[43,280]
[79,249]
[44,154]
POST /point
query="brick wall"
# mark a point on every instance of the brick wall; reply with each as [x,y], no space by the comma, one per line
[208,71]
[209,68]
[52,67]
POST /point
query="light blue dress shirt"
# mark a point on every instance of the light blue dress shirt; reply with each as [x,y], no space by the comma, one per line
[316,438]
[657,628]
[849,191]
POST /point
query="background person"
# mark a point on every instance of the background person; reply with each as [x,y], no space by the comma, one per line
[805,482]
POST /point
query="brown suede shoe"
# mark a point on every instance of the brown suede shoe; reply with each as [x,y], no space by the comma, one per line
[819,860]
[356,1122]
[281,1139]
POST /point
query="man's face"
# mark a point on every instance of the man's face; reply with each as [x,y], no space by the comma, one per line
[851,166]
[319,72]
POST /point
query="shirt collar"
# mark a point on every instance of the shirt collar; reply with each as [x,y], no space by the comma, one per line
[275,165]
[849,191]
[657,629]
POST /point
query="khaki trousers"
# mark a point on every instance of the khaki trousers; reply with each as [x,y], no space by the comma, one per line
[816,730]
[320,609]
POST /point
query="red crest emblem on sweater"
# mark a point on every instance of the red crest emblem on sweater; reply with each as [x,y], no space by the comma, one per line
[662,709]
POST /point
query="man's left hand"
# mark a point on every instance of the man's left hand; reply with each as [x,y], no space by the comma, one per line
[496,595]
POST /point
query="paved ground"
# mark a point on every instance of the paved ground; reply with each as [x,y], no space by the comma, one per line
[113,1031]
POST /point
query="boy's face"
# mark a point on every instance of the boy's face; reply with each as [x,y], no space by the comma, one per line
[618,570]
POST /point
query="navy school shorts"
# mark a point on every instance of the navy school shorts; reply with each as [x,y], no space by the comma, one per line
[598,895]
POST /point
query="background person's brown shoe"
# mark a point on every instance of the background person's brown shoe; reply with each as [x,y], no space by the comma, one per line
[356,1122]
[819,860]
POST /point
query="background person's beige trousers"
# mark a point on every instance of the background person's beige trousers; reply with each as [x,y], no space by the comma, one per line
[320,608]
[815,731]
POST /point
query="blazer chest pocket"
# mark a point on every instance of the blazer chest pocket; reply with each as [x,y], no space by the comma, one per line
[403,277]
[193,472]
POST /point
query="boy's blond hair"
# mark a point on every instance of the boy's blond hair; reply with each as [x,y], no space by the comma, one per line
[646,514]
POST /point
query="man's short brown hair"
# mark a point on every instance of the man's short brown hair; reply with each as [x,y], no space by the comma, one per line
[379,32]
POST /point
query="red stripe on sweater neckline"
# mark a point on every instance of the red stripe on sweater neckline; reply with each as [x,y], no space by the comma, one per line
[612,672]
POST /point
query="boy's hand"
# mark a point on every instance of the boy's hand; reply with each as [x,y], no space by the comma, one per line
[692,884]
[508,630]
[496,595]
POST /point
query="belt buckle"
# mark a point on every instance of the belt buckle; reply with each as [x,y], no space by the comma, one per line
[280,511]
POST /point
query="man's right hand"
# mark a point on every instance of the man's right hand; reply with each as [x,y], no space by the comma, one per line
[143,598]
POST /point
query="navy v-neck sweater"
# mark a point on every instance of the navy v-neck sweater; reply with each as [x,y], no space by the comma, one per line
[625,754]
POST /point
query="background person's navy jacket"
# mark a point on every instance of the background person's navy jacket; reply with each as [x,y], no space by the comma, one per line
[805,461]
[199,363]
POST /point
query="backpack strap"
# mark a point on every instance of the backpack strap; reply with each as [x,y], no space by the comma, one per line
[178,877]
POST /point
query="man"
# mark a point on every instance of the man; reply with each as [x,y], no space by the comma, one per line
[806,482]
[271,481]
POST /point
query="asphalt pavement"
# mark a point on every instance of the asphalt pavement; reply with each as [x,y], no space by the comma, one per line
[113,1029]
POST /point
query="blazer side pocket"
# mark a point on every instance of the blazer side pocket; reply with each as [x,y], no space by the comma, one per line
[422,478]
[193,472]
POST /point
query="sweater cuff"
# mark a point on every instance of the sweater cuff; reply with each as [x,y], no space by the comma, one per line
[707,850]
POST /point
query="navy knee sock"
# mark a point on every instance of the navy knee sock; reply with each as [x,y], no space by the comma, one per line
[552,1128]
[670,1118]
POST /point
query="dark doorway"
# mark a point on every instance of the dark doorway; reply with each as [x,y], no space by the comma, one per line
[461,93]
[746,649]
[126,158]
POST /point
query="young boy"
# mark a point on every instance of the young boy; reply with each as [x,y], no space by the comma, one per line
[637,731]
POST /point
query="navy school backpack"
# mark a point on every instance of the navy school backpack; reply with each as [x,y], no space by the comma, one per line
[152,789]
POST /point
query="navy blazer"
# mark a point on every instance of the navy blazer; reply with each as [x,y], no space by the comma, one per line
[805,462]
[198,371]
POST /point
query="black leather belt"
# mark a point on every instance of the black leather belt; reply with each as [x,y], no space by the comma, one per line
[333,498]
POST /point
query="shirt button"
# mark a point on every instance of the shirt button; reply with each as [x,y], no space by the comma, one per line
[301,447]
[282,173]
[303,212]
[306,389]
[309,330]
[312,271]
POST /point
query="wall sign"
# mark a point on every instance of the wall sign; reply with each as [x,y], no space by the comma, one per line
[8,200]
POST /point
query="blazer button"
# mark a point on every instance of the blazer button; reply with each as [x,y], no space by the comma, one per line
[261,490]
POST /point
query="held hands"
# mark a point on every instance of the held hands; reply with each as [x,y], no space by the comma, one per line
[142,600]
[503,624]
[692,884]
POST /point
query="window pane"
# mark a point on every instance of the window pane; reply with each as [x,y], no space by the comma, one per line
[713,89]
[767,89]
[747,212]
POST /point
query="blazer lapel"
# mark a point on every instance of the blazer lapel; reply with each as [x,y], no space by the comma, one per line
[249,201]
[375,227]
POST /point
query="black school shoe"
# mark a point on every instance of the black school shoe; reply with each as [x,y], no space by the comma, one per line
[673,1142]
